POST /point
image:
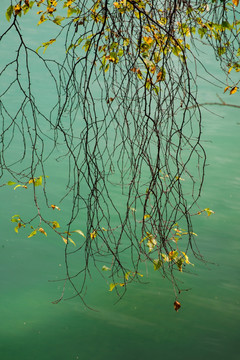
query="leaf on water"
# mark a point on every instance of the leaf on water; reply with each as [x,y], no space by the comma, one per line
[147,216]
[105,268]
[16,229]
[177,305]
[10,183]
[79,232]
[32,233]
[233,90]
[112,286]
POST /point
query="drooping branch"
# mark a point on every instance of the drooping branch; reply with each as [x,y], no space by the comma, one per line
[126,121]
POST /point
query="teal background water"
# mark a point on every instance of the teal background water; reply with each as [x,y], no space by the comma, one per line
[143,324]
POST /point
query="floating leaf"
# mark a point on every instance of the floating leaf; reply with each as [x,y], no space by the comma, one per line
[16,229]
[79,232]
[147,216]
[177,305]
[235,2]
[105,268]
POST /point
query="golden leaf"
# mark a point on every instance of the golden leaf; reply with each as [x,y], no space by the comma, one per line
[235,2]
[233,90]
[55,207]
[41,230]
[93,234]
[17,9]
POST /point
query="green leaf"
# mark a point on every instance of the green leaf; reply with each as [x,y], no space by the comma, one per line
[38,181]
[58,19]
[11,183]
[9,12]
[157,263]
[221,50]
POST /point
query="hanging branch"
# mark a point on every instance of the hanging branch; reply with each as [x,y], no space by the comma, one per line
[126,120]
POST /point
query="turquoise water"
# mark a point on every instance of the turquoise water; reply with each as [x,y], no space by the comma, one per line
[143,324]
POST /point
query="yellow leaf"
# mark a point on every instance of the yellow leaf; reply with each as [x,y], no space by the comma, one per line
[42,19]
[172,255]
[71,241]
[148,39]
[32,233]
[235,2]
[208,211]
[41,230]
[79,232]
[17,9]
[55,207]
[112,286]
[24,186]
[147,216]
[93,234]
[55,225]
[233,90]
[65,240]
[105,268]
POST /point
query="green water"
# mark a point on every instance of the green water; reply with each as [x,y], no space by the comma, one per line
[143,324]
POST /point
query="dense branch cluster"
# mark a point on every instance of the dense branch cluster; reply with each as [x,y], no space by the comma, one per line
[126,120]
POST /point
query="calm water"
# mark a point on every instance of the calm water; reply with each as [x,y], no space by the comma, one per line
[144,324]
